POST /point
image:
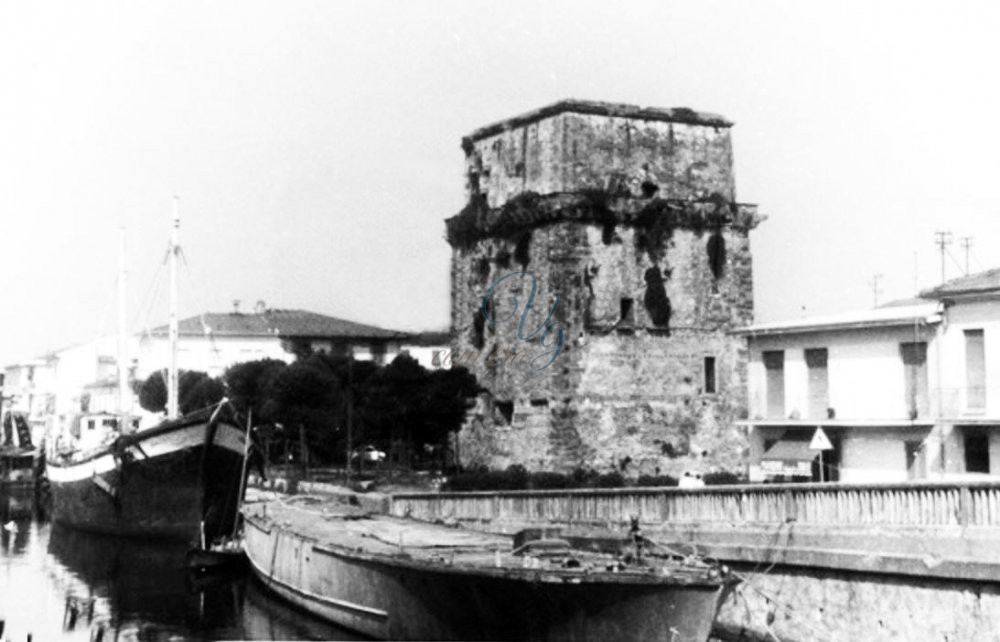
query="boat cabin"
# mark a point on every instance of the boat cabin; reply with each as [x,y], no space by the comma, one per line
[91,431]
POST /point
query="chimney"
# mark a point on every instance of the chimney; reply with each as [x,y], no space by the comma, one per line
[236,306]
[260,307]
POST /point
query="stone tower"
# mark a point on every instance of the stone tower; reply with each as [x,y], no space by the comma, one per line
[624,221]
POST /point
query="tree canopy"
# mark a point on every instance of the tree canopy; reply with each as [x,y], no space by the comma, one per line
[401,404]
[195,390]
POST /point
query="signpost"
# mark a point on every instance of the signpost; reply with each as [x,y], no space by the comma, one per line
[820,442]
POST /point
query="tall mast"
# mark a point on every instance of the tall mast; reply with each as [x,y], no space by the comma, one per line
[124,391]
[172,370]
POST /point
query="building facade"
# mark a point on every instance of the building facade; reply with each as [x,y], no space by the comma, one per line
[84,377]
[597,271]
[901,392]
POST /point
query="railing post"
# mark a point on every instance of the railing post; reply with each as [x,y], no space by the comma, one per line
[790,507]
[964,506]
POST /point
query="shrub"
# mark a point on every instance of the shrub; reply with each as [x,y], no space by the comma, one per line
[722,478]
[544,480]
[656,480]
[613,479]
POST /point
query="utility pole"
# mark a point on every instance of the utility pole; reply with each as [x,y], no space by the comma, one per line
[943,240]
[967,244]
[875,289]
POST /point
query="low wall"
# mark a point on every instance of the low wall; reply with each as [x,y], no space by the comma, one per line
[908,504]
[947,530]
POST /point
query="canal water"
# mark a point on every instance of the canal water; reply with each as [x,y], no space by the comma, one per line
[60,584]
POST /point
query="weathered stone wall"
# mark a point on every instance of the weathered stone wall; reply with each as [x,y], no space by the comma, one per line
[683,153]
[651,263]
[815,604]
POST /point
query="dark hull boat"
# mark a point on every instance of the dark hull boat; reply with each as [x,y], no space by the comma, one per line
[163,482]
[397,579]
[19,466]
[212,560]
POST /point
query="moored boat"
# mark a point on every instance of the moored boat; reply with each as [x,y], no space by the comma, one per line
[20,459]
[19,466]
[393,578]
[180,479]
[163,481]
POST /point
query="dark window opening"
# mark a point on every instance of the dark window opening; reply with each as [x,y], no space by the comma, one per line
[522,248]
[540,403]
[478,324]
[656,301]
[506,410]
[483,267]
[627,315]
[977,451]
[716,249]
[649,189]
[710,375]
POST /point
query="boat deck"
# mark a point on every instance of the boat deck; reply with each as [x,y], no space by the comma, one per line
[333,526]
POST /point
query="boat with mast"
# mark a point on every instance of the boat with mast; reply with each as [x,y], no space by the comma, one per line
[180,479]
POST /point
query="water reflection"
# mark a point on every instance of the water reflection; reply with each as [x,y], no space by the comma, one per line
[61,584]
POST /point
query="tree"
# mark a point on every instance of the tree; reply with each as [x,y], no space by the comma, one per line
[196,390]
[411,405]
[450,394]
[306,396]
[250,386]
[354,379]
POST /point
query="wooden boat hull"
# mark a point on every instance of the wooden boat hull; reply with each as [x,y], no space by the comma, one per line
[162,484]
[392,598]
[207,561]
[19,467]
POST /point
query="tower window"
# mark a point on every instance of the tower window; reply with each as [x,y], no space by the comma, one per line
[506,410]
[627,315]
[710,375]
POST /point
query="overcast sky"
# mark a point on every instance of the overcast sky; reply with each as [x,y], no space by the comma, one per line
[314,146]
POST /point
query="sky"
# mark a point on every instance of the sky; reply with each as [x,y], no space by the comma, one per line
[314,147]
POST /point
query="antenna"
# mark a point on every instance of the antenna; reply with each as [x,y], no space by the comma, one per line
[124,391]
[967,243]
[942,240]
[172,376]
[875,288]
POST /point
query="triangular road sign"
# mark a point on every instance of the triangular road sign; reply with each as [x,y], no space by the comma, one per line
[820,441]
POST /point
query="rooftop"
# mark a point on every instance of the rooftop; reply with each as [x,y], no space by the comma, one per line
[987,282]
[665,114]
[281,323]
[897,315]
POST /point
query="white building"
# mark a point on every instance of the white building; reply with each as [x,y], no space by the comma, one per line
[83,378]
[902,392]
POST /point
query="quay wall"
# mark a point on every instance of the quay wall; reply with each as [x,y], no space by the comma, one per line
[811,604]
